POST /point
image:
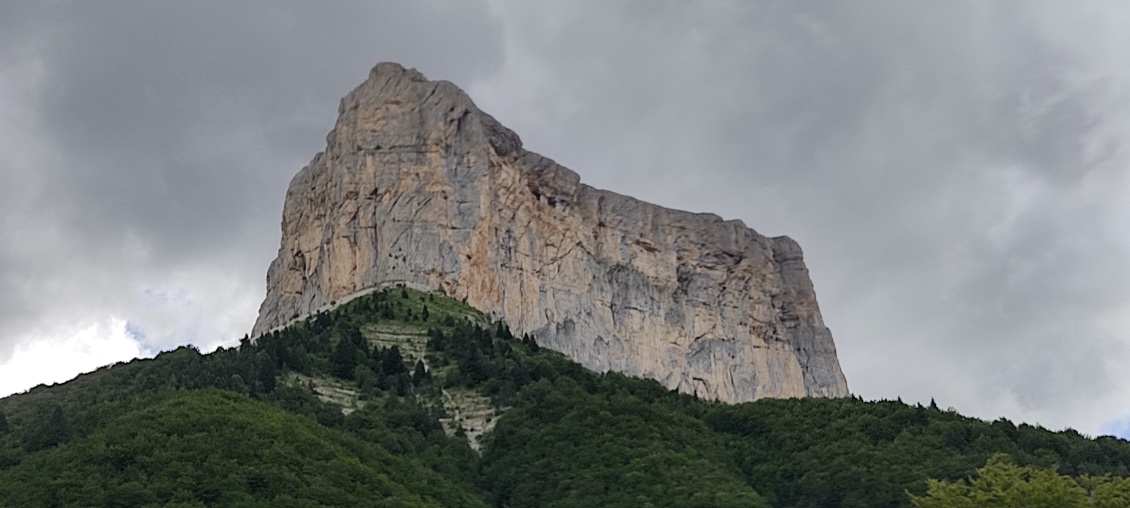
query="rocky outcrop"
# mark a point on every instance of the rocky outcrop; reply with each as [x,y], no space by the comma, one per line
[418,186]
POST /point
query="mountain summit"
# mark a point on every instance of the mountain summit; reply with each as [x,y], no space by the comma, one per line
[419,187]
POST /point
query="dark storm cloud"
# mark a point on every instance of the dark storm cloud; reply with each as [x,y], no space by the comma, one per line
[165,133]
[176,118]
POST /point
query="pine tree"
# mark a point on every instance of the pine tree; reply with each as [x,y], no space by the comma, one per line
[530,343]
[393,363]
[343,360]
[420,375]
[502,331]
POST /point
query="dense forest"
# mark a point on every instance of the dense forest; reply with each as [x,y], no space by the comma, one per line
[403,398]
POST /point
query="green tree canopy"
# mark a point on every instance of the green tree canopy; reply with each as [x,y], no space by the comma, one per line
[1001,484]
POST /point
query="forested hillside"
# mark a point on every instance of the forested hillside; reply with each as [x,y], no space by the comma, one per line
[402,398]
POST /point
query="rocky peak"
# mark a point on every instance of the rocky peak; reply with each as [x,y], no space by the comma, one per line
[418,186]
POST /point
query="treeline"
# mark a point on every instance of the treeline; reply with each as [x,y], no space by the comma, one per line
[565,437]
[576,438]
[851,453]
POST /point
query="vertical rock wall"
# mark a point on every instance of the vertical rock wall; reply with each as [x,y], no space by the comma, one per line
[418,186]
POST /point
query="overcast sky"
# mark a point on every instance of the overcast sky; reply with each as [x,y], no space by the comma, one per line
[957,173]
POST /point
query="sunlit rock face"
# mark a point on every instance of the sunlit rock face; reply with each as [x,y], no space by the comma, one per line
[418,186]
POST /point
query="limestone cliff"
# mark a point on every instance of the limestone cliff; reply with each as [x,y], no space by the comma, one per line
[418,186]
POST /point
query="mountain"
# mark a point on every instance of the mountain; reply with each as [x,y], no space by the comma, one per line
[417,186]
[389,396]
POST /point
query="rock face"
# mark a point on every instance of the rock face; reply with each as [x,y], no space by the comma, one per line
[418,186]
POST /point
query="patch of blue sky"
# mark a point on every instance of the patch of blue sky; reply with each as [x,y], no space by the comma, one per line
[136,333]
[1119,428]
[178,297]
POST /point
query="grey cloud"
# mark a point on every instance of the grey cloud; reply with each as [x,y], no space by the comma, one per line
[176,118]
[937,162]
[166,133]
[951,169]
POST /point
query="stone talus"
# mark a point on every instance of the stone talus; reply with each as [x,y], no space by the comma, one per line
[417,186]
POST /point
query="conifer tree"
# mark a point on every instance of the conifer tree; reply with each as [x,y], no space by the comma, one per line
[343,360]
[420,375]
[393,363]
